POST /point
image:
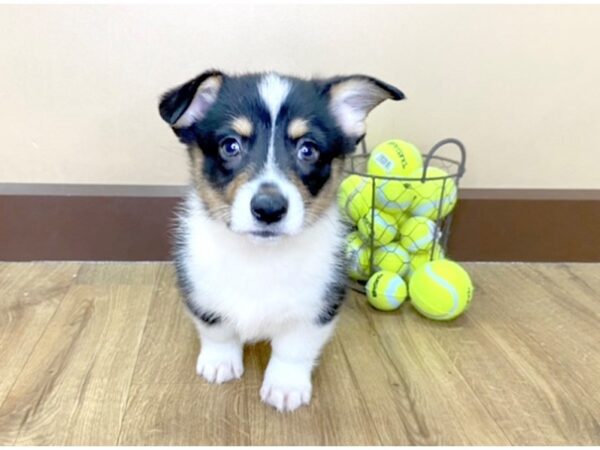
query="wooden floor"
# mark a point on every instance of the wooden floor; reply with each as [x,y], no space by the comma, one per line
[102,354]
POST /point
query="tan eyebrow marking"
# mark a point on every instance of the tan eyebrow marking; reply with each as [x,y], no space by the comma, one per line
[297,128]
[242,126]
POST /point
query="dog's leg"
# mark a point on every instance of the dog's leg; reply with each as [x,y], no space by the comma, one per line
[287,383]
[221,353]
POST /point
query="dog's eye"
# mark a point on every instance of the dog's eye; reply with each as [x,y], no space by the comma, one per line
[307,152]
[230,149]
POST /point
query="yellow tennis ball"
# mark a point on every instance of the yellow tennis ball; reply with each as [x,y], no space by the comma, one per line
[355,196]
[394,158]
[418,233]
[391,258]
[383,228]
[393,196]
[441,290]
[386,290]
[424,256]
[433,194]
[358,255]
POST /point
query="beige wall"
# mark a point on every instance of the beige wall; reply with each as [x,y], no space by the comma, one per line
[520,85]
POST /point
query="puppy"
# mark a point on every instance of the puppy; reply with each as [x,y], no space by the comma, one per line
[260,245]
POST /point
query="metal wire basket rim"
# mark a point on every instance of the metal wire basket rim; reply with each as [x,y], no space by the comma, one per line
[458,174]
[427,157]
[424,155]
[381,177]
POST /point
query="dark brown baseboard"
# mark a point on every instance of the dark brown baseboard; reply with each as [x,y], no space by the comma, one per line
[132,223]
[526,229]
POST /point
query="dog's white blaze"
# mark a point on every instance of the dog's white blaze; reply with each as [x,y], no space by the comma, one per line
[273,91]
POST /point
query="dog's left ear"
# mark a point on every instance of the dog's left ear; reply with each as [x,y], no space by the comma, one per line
[351,98]
[186,104]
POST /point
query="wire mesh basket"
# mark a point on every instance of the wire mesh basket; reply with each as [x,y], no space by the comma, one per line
[383,237]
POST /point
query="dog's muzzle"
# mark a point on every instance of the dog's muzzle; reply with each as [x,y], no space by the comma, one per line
[268,205]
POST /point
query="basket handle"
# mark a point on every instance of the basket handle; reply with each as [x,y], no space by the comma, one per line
[436,147]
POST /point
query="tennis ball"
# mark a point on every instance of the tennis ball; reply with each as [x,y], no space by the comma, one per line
[358,255]
[393,196]
[386,290]
[424,256]
[394,158]
[418,233]
[430,194]
[355,196]
[441,290]
[391,258]
[383,228]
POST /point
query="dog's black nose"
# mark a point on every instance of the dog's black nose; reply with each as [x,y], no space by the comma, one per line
[268,205]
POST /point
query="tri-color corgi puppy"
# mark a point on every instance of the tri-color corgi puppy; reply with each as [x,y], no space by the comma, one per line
[260,245]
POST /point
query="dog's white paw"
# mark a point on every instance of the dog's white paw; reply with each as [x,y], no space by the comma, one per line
[285,398]
[220,365]
[286,386]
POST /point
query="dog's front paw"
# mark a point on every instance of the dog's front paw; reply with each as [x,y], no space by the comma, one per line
[286,386]
[220,365]
[285,397]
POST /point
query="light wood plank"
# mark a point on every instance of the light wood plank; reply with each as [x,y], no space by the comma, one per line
[497,379]
[388,399]
[113,273]
[74,386]
[170,344]
[29,296]
[444,409]
[561,318]
[549,343]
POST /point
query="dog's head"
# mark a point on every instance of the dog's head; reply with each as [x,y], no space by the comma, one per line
[267,150]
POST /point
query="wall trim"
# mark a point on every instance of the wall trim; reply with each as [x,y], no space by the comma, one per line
[92,190]
[141,190]
[530,194]
[134,223]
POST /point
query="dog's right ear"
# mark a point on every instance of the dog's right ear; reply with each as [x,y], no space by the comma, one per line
[186,104]
[352,97]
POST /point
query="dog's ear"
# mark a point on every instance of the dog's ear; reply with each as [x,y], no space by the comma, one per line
[182,106]
[352,97]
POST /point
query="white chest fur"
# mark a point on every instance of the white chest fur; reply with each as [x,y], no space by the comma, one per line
[259,287]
